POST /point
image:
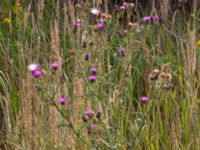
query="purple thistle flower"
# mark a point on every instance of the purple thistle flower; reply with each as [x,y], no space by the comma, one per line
[92,78]
[156,18]
[93,126]
[55,65]
[122,51]
[77,26]
[37,73]
[93,71]
[87,56]
[62,100]
[116,8]
[125,4]
[100,25]
[81,2]
[144,99]
[147,18]
[89,113]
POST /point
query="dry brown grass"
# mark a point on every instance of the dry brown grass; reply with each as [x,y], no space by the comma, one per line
[191,50]
[40,8]
[164,9]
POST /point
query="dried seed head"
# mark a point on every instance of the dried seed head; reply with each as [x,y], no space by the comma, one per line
[169,86]
[154,75]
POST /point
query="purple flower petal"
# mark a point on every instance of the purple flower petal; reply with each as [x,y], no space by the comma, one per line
[87,56]
[55,65]
[122,51]
[92,78]
[125,4]
[62,100]
[89,113]
[37,73]
[147,18]
[93,71]
[93,126]
[77,26]
[100,25]
[156,18]
[144,99]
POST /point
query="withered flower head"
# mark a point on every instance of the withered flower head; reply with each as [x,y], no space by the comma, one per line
[154,75]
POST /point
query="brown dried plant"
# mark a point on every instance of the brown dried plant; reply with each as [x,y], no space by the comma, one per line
[164,9]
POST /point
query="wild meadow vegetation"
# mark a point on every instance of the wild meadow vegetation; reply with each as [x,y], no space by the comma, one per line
[99,75]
